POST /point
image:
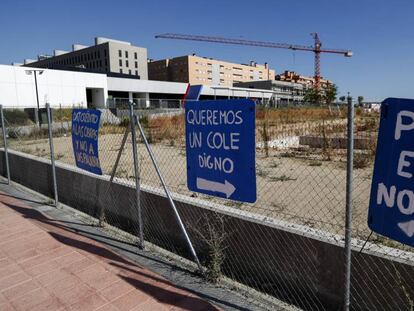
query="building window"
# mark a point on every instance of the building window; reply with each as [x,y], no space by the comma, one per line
[106,62]
[136,64]
[126,54]
[136,72]
[120,53]
[126,63]
[136,55]
[120,62]
[130,71]
[120,70]
[104,53]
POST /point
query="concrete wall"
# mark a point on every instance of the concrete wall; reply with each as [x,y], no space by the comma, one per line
[67,88]
[299,267]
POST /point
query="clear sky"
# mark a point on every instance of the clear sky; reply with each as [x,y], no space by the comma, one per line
[379,32]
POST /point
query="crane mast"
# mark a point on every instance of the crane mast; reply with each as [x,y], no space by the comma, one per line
[316,48]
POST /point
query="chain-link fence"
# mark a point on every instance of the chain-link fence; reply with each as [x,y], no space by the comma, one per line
[301,185]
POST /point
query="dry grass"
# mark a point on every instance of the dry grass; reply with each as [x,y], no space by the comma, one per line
[166,129]
[294,115]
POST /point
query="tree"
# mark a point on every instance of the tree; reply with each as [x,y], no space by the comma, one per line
[342,98]
[312,96]
[360,100]
[325,96]
[330,92]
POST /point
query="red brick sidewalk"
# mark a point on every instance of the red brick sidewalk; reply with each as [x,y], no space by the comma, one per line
[43,266]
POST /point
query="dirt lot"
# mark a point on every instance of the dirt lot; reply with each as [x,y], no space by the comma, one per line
[299,185]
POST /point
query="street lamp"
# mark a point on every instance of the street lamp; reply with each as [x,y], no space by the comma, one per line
[35,71]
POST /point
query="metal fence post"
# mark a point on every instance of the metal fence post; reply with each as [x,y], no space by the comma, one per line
[132,119]
[168,194]
[6,153]
[52,153]
[348,216]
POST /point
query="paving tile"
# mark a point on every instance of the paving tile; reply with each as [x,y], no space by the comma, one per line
[51,303]
[79,266]
[6,307]
[42,268]
[24,255]
[130,300]
[102,280]
[69,259]
[116,290]
[13,280]
[109,307]
[20,289]
[63,286]
[70,290]
[19,235]
[2,299]
[45,267]
[151,305]
[91,272]
[89,303]
[45,257]
[30,300]
[28,241]
[52,277]
[9,269]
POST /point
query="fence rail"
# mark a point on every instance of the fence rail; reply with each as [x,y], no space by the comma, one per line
[301,167]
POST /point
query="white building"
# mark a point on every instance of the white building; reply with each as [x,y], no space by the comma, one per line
[58,87]
[73,88]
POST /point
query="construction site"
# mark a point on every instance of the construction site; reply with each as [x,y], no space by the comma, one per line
[196,183]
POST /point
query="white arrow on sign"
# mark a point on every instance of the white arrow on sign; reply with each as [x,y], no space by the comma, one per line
[226,188]
[407,227]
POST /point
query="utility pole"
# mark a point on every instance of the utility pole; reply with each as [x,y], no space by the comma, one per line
[35,71]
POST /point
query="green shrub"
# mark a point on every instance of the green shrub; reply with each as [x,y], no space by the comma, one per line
[62,114]
[17,117]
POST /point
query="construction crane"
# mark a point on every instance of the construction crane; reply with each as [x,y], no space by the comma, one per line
[316,48]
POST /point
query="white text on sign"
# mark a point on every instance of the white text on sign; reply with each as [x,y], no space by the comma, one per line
[215,140]
[405,197]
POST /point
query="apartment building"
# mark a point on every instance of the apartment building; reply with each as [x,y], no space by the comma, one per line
[283,93]
[194,69]
[291,76]
[105,56]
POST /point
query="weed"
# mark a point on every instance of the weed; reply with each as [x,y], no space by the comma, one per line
[361,160]
[235,204]
[62,114]
[274,164]
[315,163]
[210,229]
[121,172]
[282,178]
[291,154]
[278,207]
[326,143]
[265,134]
[261,172]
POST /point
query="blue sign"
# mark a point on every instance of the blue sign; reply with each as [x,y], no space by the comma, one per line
[391,208]
[221,148]
[194,92]
[85,130]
